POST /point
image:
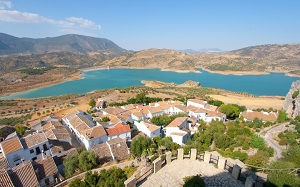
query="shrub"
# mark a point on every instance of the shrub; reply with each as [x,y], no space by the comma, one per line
[104,119]
[295,94]
[257,142]
[259,159]
[20,130]
[193,181]
[92,103]
[282,116]
[215,102]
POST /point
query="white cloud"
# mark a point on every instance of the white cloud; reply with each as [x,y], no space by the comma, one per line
[70,24]
[5,4]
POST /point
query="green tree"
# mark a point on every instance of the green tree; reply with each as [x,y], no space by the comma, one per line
[20,129]
[293,155]
[140,145]
[231,111]
[282,116]
[92,103]
[193,181]
[114,177]
[282,177]
[91,179]
[70,165]
[77,183]
[87,160]
[223,141]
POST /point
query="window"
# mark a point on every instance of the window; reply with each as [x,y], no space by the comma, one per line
[31,151]
[38,151]
[45,147]
[47,181]
[34,158]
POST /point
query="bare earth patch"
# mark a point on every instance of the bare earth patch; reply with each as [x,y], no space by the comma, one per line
[251,102]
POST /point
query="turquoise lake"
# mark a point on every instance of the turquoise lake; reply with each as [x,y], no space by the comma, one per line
[271,84]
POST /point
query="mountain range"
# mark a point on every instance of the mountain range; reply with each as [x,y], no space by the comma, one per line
[66,43]
[77,51]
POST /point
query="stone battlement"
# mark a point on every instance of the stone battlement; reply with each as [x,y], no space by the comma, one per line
[235,168]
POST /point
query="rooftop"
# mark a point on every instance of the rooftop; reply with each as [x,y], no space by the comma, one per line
[34,139]
[24,175]
[11,145]
[5,180]
[45,167]
[120,128]
[197,101]
[177,122]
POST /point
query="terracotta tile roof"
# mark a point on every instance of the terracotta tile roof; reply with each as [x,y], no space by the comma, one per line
[211,107]
[120,128]
[198,101]
[129,106]
[11,145]
[102,152]
[5,180]
[124,116]
[55,130]
[24,175]
[159,109]
[11,135]
[181,107]
[34,123]
[94,132]
[151,126]
[100,102]
[85,126]
[119,148]
[251,115]
[177,122]
[45,167]
[214,114]
[56,149]
[34,139]
[196,109]
[4,163]
[114,110]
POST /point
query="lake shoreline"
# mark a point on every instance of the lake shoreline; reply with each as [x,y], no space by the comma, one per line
[80,75]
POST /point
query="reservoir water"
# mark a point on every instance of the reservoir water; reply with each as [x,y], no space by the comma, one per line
[271,84]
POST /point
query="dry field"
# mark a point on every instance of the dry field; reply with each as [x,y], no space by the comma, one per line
[251,102]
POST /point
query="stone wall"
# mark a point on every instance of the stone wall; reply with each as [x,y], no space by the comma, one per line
[235,167]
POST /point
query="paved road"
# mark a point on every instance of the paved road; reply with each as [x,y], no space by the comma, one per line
[268,133]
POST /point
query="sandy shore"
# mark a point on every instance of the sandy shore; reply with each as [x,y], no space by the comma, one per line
[239,73]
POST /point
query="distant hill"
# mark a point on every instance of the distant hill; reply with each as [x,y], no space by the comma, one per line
[204,50]
[255,59]
[66,43]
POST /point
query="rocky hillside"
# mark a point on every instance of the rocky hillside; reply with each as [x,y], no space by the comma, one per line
[292,100]
[67,43]
[266,58]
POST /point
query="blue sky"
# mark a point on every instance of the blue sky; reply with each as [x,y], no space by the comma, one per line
[143,24]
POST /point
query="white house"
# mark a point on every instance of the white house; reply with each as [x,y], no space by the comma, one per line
[178,130]
[147,128]
[119,131]
[100,104]
[85,129]
[196,103]
[31,147]
[205,114]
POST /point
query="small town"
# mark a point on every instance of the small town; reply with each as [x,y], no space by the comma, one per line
[122,136]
